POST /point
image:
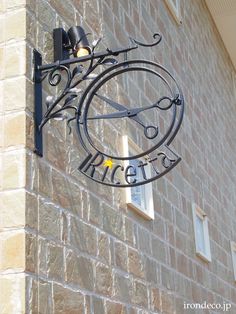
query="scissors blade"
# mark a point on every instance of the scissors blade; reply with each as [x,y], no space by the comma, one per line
[138,120]
[114,115]
[112,103]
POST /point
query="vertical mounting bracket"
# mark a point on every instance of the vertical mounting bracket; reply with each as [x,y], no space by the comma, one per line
[38,110]
[61,44]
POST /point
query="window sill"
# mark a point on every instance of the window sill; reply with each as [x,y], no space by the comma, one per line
[203,256]
[141,211]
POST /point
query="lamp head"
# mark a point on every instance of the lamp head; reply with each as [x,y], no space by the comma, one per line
[79,42]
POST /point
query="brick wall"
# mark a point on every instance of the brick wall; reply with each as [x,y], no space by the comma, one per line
[13,124]
[71,246]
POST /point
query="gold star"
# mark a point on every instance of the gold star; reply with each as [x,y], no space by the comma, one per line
[108,163]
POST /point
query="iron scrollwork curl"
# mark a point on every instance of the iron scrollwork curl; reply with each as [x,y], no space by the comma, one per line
[156,36]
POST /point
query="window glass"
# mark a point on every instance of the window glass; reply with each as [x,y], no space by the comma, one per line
[138,198]
[200,234]
[138,192]
[234,258]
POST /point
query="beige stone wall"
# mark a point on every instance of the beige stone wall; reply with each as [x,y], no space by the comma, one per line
[12,156]
[68,245]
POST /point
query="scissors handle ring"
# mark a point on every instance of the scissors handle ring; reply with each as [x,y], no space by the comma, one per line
[154,131]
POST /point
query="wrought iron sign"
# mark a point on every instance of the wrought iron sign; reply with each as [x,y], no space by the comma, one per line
[107,97]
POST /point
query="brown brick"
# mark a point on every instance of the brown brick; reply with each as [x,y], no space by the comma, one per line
[115,308]
[79,270]
[83,236]
[67,301]
[112,222]
[122,288]
[98,305]
[103,279]
[156,299]
[140,295]
[121,256]
[104,248]
[55,262]
[49,220]
[135,263]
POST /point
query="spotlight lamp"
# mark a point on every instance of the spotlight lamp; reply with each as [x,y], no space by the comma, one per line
[75,60]
[79,41]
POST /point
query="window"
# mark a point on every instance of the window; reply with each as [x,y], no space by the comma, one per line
[233,252]
[234,83]
[140,197]
[174,7]
[202,242]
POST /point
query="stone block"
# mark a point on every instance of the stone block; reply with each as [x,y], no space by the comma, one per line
[42,256]
[95,211]
[13,174]
[12,248]
[129,231]
[44,290]
[15,4]
[135,263]
[79,271]
[56,152]
[144,241]
[2,62]
[42,173]
[167,278]
[83,236]
[140,294]
[46,15]
[168,302]
[12,206]
[31,253]
[113,222]
[67,301]
[103,279]
[15,60]
[122,288]
[115,308]
[121,256]
[65,10]
[49,219]
[98,305]
[14,129]
[31,210]
[104,251]
[151,270]
[15,25]
[12,293]
[156,299]
[66,193]
[55,262]
[159,250]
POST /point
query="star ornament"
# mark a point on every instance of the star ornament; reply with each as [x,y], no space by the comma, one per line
[108,163]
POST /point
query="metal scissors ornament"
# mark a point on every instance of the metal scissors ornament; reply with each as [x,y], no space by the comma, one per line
[150,131]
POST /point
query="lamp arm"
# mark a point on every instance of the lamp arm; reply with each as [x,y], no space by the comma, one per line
[96,55]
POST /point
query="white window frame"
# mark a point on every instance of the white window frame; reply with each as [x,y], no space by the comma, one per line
[197,211]
[233,253]
[234,84]
[148,210]
[175,10]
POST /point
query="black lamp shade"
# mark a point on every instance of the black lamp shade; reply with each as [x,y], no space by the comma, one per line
[78,39]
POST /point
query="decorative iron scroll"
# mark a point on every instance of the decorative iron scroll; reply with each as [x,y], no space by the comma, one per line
[100,165]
